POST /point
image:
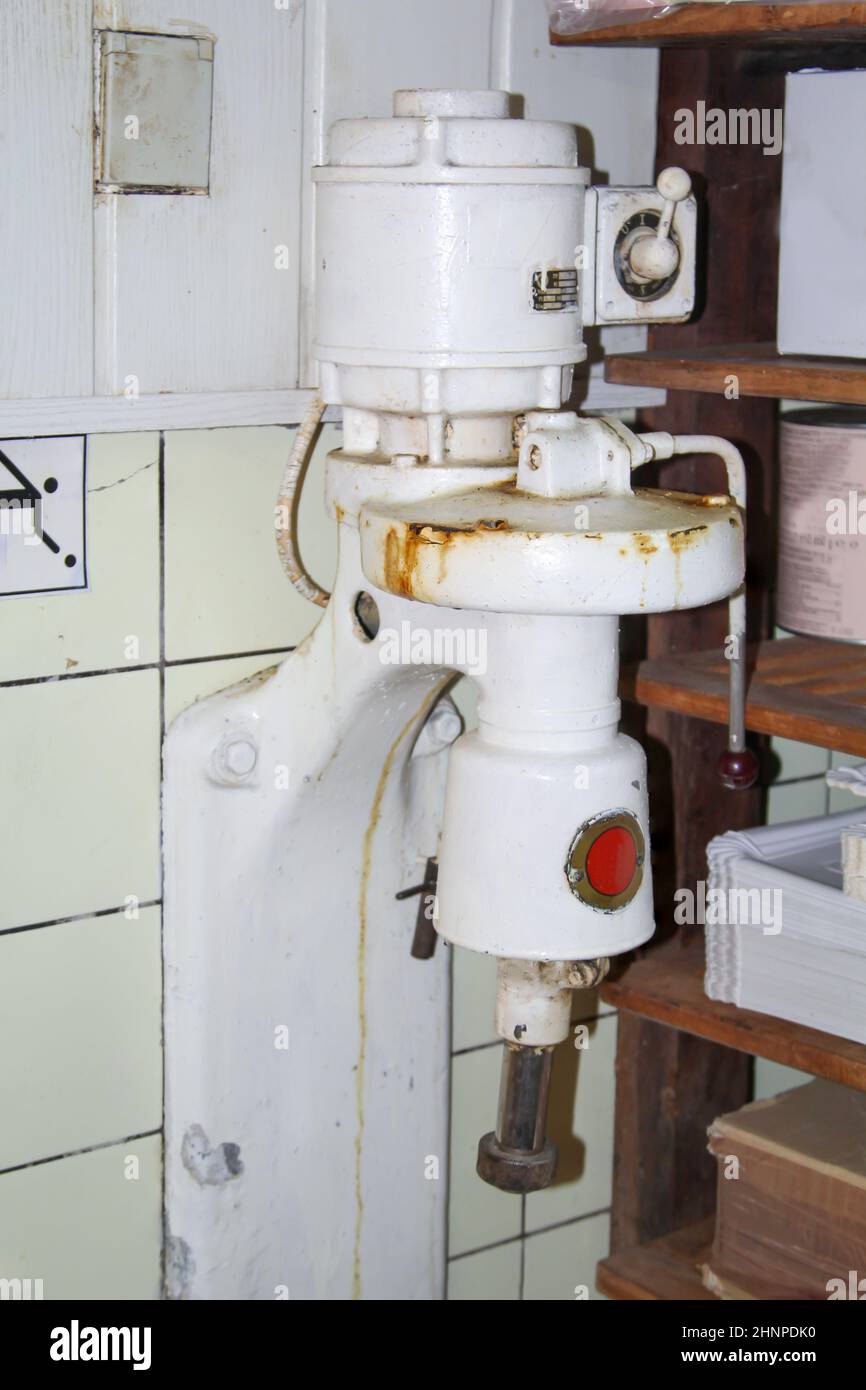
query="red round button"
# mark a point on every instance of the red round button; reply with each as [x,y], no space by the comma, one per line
[611,861]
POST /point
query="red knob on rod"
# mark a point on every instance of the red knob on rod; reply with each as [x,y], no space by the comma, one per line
[737,767]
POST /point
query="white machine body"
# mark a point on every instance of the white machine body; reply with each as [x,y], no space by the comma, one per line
[495,534]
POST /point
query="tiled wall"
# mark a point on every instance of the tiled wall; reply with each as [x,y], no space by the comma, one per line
[187,596]
[546,1245]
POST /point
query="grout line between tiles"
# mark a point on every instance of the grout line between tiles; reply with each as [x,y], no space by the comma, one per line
[530,1235]
[795,781]
[78,917]
[161,814]
[228,656]
[77,1153]
[80,675]
[522,1278]
[143,666]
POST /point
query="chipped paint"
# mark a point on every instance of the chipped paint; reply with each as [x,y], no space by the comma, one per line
[643,543]
[681,540]
[206,1165]
[179,1268]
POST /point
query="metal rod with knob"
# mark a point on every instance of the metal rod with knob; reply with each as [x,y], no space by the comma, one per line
[656,256]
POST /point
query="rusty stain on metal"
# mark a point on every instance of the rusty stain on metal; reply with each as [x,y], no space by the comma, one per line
[681,540]
[251,682]
[697,499]
[644,544]
[403,549]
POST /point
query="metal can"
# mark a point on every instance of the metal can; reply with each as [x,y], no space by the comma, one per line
[821,588]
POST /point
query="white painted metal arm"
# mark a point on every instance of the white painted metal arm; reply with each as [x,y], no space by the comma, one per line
[661,445]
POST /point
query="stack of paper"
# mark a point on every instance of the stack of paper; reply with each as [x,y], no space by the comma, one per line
[781,936]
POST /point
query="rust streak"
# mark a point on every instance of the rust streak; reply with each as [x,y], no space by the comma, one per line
[644,544]
[404,548]
[681,540]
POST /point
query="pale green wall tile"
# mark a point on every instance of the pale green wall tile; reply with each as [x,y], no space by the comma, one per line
[473,1000]
[846,760]
[478,1214]
[186,684]
[771,1077]
[797,759]
[839,800]
[580,1122]
[561,1261]
[796,801]
[115,622]
[225,588]
[80,1035]
[491,1276]
[83,1226]
[81,831]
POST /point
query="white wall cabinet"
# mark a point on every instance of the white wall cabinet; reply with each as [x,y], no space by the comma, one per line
[136,296]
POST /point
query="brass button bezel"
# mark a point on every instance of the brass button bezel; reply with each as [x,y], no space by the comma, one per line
[575,864]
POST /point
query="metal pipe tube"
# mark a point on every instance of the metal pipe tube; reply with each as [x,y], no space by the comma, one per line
[517,1157]
[524,1088]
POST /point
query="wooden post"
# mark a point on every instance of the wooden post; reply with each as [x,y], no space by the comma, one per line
[670,1086]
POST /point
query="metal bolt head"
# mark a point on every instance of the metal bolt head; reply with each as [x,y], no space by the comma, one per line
[240,757]
[234,759]
[515,1172]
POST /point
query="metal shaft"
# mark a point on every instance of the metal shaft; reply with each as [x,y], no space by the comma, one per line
[518,1157]
[524,1087]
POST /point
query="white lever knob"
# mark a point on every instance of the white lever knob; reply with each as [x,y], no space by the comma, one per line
[657,257]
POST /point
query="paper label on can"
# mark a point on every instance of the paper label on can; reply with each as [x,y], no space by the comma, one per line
[822,532]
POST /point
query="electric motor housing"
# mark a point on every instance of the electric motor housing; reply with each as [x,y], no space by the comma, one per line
[446,277]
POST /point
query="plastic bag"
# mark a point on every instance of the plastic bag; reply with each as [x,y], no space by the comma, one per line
[576,16]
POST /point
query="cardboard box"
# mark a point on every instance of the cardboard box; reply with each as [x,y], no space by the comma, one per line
[791,1213]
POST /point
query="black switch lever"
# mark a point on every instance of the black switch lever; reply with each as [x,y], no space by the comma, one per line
[424,940]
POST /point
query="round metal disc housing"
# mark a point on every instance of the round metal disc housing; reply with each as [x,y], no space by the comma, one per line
[502,550]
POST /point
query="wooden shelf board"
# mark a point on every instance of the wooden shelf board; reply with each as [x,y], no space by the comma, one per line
[743,25]
[808,690]
[760,371]
[667,986]
[668,1268]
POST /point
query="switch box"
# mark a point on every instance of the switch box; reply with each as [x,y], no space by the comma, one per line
[42,515]
[614,218]
[155,102]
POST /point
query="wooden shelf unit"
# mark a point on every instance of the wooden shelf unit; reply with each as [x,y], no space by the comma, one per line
[667,1268]
[740,25]
[807,690]
[667,986]
[759,370]
[683,1059]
